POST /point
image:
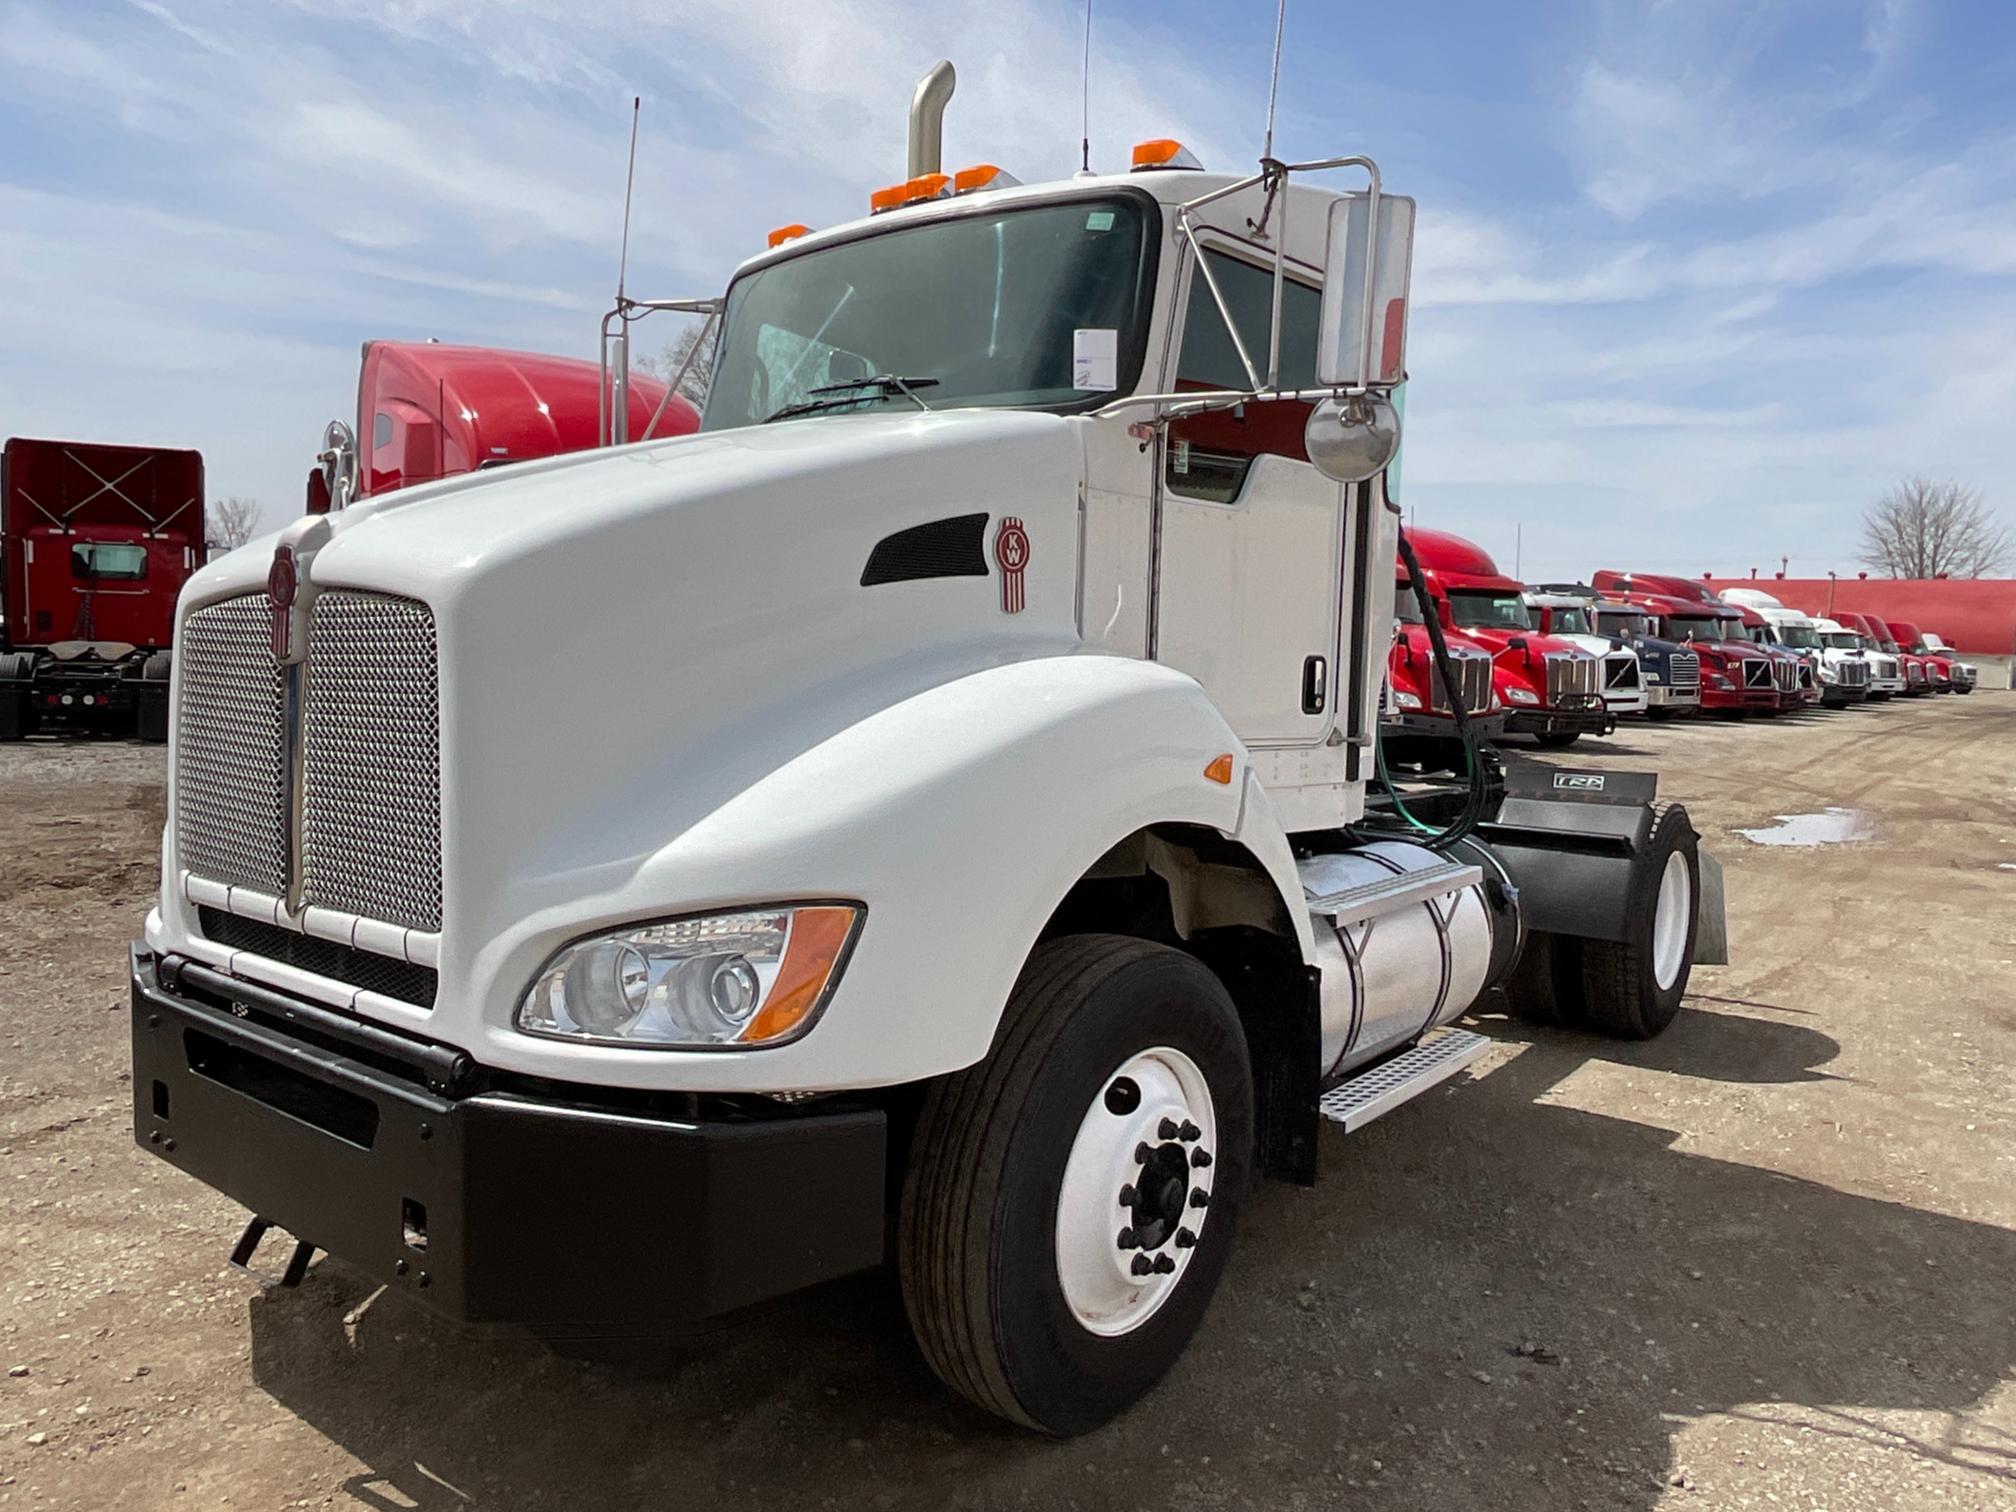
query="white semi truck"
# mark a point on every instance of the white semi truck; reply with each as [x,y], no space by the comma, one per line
[929,815]
[1842,670]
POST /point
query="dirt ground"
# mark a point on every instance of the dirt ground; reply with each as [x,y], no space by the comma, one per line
[1767,1260]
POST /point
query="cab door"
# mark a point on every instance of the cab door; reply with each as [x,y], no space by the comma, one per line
[1252,536]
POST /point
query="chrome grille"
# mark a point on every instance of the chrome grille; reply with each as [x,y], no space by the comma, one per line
[1852,674]
[1884,667]
[1473,682]
[1570,676]
[1620,672]
[1756,672]
[371,786]
[1683,670]
[1785,674]
[229,795]
[1914,672]
[371,761]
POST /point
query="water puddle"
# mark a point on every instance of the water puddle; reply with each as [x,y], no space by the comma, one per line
[1834,826]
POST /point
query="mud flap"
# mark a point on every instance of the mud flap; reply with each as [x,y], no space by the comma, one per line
[1711,932]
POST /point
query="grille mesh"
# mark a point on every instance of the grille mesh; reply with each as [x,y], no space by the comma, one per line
[1683,670]
[360,968]
[371,755]
[371,761]
[1473,681]
[228,791]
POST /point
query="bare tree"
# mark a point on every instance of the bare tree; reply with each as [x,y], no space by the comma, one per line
[232,522]
[1922,529]
[693,385]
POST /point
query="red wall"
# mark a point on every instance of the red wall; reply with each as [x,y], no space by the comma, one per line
[1974,614]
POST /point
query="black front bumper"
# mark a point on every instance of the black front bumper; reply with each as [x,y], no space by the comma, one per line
[552,1206]
[1594,721]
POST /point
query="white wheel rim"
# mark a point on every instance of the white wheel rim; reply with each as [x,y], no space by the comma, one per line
[1171,1115]
[1669,921]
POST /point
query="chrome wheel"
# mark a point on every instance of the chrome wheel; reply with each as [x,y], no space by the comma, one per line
[1670,919]
[1136,1191]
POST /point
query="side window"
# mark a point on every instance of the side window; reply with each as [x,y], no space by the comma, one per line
[1210,455]
[104,561]
[381,430]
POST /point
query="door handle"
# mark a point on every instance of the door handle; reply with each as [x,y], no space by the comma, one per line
[1315,684]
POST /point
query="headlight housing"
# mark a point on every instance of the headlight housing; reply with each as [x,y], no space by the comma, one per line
[1522,695]
[731,981]
[1405,700]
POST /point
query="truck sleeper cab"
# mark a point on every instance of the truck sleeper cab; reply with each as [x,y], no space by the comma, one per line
[1671,672]
[963,854]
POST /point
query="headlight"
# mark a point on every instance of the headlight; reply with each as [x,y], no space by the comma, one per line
[1651,676]
[1405,699]
[1717,680]
[735,980]
[1522,695]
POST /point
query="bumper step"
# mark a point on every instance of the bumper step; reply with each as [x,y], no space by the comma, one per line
[1383,1087]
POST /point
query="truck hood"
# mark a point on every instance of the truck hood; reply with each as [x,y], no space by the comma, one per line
[629,638]
[1499,641]
[1598,646]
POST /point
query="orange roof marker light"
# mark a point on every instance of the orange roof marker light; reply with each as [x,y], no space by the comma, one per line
[1220,769]
[983,176]
[787,233]
[1163,152]
[909,192]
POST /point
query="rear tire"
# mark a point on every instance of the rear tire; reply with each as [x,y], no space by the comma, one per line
[1545,984]
[1014,1275]
[1632,987]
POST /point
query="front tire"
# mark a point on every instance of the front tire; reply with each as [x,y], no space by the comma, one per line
[1043,1179]
[1558,740]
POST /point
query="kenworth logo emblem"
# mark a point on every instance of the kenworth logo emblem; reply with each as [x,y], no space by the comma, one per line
[1011,552]
[281,583]
[1579,782]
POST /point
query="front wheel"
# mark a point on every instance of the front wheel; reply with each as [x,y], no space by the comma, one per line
[1071,1200]
[1558,740]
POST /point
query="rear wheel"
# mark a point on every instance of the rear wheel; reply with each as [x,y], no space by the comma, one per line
[1545,984]
[1631,988]
[1072,1199]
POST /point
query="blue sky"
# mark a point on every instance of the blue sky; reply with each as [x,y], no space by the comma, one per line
[1694,280]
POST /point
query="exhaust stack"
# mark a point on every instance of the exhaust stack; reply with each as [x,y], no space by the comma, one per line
[927,119]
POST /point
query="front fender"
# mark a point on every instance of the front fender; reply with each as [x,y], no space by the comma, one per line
[960,817]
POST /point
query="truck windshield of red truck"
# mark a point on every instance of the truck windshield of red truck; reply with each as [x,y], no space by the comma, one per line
[1504,611]
[1043,305]
[1703,627]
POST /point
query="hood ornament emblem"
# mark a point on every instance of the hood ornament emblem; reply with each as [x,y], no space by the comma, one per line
[1011,554]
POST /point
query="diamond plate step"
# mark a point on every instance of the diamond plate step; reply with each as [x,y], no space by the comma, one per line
[1384,1087]
[1385,895]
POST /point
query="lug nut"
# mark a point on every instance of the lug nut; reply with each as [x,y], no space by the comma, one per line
[1142,1266]
[1200,1157]
[1164,1266]
[1199,1198]
[1185,1239]
[1128,1239]
[1190,1132]
[1128,1195]
[1142,1154]
[1166,1129]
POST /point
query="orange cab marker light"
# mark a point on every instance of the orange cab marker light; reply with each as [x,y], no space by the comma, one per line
[1220,769]
[1163,152]
[787,233]
[983,176]
[923,187]
[818,936]
[886,199]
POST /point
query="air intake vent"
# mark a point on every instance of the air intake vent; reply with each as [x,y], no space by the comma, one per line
[325,958]
[951,547]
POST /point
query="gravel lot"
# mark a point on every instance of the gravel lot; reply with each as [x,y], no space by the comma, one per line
[1768,1260]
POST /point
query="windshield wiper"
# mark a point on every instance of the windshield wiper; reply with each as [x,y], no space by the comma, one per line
[847,391]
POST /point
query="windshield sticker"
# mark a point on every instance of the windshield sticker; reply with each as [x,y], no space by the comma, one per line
[1095,358]
[1099,220]
[1181,463]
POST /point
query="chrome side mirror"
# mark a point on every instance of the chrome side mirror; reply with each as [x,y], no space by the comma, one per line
[1353,437]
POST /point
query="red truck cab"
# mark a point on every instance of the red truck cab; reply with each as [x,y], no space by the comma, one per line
[1737,678]
[1915,670]
[96,542]
[426,410]
[1551,689]
[1938,667]
[1417,726]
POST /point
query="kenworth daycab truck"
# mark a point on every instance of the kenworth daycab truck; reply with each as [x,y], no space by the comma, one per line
[1965,675]
[1671,671]
[96,542]
[1841,674]
[1551,688]
[1417,724]
[946,829]
[1564,611]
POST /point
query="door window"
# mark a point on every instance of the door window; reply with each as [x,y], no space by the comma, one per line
[1210,455]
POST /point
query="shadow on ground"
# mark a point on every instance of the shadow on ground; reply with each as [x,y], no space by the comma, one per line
[1496,1301]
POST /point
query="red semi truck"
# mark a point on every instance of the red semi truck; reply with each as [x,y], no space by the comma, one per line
[95,544]
[1915,670]
[427,410]
[1551,689]
[1940,669]
[1417,725]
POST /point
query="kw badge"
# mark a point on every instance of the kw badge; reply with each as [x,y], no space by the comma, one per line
[1011,553]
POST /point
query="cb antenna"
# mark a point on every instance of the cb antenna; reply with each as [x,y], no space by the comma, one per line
[1085,101]
[1274,84]
[629,182]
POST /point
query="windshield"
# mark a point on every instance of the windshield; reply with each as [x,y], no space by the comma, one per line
[1799,637]
[1624,626]
[1843,640]
[1045,305]
[1504,611]
[108,561]
[1406,608]
[1573,621]
[1700,627]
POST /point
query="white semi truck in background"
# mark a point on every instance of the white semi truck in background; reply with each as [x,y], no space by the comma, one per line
[1841,670]
[948,832]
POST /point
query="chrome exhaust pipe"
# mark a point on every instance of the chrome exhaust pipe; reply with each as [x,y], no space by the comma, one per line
[927,119]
